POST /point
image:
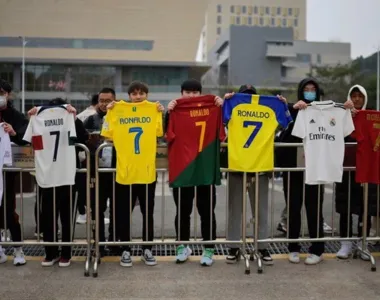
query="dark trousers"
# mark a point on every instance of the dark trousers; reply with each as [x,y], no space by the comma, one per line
[206,201]
[344,223]
[124,204]
[295,202]
[105,192]
[62,210]
[80,186]
[9,204]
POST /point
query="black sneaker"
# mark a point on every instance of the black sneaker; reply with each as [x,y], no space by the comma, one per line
[266,258]
[125,260]
[148,258]
[233,256]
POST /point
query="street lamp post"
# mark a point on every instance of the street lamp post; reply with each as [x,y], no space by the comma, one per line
[24,42]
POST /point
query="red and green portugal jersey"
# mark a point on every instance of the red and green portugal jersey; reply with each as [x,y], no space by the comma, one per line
[194,133]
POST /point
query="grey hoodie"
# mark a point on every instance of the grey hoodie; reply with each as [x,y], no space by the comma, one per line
[363,91]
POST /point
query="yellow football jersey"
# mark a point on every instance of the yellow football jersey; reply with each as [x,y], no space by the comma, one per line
[134,128]
[252,121]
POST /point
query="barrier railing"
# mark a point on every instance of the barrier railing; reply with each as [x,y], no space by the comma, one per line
[9,213]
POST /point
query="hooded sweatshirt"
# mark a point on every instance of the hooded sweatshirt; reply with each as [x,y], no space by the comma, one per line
[287,157]
[363,91]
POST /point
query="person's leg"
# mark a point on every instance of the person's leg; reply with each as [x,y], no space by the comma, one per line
[235,206]
[9,200]
[80,187]
[183,199]
[146,195]
[312,193]
[49,217]
[66,196]
[294,200]
[345,230]
[206,201]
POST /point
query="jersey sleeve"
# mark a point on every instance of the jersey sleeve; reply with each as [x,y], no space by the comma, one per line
[29,131]
[107,128]
[72,129]
[348,125]
[283,115]
[159,129]
[227,108]
[170,135]
[299,129]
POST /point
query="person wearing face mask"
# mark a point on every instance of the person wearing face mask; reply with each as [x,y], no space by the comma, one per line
[349,189]
[15,124]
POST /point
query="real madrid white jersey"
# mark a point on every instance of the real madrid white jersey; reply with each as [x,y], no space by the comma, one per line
[323,126]
[51,132]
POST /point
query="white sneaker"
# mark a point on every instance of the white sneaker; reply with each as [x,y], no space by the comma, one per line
[19,257]
[294,257]
[3,236]
[327,228]
[82,219]
[345,250]
[313,259]
[148,258]
[3,257]
[183,253]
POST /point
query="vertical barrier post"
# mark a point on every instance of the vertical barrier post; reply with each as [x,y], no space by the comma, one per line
[244,225]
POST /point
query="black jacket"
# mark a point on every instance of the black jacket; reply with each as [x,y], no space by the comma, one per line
[82,138]
[18,121]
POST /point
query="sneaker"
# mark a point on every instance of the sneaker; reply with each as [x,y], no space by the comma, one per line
[265,256]
[19,257]
[313,259]
[50,262]
[125,260]
[233,256]
[3,257]
[64,262]
[183,253]
[148,258]
[206,259]
[82,219]
[294,257]
[345,250]
[41,234]
[327,228]
[3,236]
[282,227]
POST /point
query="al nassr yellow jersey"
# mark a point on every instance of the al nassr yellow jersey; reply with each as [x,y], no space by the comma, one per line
[252,121]
[134,128]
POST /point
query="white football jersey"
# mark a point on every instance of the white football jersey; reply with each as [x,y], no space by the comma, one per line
[51,132]
[5,156]
[323,126]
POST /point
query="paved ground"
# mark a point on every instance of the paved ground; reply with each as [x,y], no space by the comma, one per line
[330,280]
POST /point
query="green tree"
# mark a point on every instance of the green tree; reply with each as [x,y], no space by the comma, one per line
[337,80]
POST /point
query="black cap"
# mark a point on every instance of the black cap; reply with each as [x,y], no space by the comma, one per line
[247,89]
[5,86]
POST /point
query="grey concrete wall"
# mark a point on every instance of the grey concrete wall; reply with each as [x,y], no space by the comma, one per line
[248,62]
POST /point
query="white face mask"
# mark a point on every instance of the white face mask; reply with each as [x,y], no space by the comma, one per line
[3,101]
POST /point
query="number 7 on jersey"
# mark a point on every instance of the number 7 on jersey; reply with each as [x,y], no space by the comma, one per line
[255,131]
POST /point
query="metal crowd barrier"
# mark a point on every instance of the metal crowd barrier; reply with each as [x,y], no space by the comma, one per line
[73,208]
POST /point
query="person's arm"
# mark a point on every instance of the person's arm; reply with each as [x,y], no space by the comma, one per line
[19,122]
[82,134]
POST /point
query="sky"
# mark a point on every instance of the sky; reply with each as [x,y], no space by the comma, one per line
[353,21]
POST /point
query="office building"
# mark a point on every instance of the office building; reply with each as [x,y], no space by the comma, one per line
[220,14]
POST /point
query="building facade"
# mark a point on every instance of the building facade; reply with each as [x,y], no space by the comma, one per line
[268,57]
[220,14]
[73,48]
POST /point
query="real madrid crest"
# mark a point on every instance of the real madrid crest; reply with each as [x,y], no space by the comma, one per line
[332,122]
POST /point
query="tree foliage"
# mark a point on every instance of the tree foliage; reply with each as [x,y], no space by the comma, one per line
[337,80]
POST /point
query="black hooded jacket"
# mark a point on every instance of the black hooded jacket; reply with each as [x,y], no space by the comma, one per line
[18,121]
[287,157]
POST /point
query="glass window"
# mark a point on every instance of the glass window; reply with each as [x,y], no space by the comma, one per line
[273,21]
[6,72]
[218,31]
[319,59]
[255,10]
[249,20]
[284,22]
[290,11]
[219,19]
[244,9]
[261,21]
[68,43]
[45,78]
[219,8]
[306,58]
[267,10]
[237,20]
[279,10]
[89,79]
[295,22]
[232,9]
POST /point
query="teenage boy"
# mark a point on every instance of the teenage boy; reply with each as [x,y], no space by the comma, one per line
[193,88]
[126,198]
